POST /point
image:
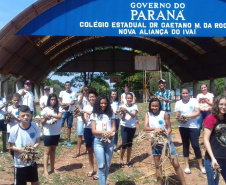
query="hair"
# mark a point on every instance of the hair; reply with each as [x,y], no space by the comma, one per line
[154,100]
[215,108]
[116,99]
[92,90]
[96,107]
[16,95]
[184,88]
[126,85]
[203,83]
[56,106]
[129,94]
[24,108]
[67,82]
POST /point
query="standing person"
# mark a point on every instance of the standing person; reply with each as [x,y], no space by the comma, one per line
[27,97]
[43,99]
[124,101]
[67,98]
[165,96]
[51,121]
[115,108]
[3,126]
[155,121]
[103,124]
[82,102]
[205,100]
[128,128]
[189,131]
[22,134]
[89,137]
[215,140]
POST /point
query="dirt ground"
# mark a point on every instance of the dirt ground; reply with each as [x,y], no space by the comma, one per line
[74,170]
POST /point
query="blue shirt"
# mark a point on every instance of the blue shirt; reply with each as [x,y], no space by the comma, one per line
[165,94]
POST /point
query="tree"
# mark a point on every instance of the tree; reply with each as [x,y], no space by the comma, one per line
[55,84]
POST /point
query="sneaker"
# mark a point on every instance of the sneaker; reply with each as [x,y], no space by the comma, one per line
[68,143]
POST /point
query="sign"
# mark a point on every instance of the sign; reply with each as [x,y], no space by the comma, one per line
[115,79]
[165,18]
[146,63]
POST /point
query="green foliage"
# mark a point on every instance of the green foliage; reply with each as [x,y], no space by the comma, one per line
[55,84]
[219,86]
[101,85]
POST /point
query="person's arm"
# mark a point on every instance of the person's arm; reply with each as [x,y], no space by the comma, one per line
[15,149]
[195,114]
[34,109]
[134,99]
[207,134]
[84,117]
[60,101]
[37,142]
[209,101]
[58,116]
[123,116]
[80,99]
[122,102]
[168,124]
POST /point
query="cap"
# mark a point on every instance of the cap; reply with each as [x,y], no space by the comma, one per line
[27,82]
[47,88]
[162,80]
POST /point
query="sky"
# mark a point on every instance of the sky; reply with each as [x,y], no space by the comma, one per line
[10,9]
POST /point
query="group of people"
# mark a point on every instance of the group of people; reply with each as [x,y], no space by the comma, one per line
[100,117]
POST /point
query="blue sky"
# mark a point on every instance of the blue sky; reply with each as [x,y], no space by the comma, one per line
[10,9]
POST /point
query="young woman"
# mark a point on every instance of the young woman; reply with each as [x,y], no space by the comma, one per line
[89,137]
[103,124]
[115,108]
[189,131]
[215,140]
[51,131]
[128,128]
[156,120]
[205,100]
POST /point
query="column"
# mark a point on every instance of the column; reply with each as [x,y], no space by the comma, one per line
[212,85]
[4,85]
[36,92]
[41,91]
[195,89]
[18,85]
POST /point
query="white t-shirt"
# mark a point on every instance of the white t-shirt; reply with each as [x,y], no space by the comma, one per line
[187,109]
[68,98]
[157,121]
[115,106]
[203,105]
[88,108]
[2,111]
[50,129]
[22,137]
[103,122]
[27,99]
[15,112]
[43,100]
[129,121]
[85,102]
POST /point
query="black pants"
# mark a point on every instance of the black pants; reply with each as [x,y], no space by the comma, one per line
[190,135]
[127,136]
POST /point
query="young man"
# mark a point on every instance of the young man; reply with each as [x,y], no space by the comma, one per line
[43,99]
[27,97]
[164,96]
[22,134]
[67,97]
[3,126]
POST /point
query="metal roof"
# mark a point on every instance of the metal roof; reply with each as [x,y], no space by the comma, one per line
[34,57]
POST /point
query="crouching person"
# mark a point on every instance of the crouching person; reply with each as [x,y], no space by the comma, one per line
[22,134]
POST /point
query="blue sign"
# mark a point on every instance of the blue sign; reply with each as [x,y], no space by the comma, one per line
[165,18]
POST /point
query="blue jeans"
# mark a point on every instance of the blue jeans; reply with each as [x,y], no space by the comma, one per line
[103,151]
[201,117]
[210,173]
[116,134]
[80,128]
[158,149]
[69,117]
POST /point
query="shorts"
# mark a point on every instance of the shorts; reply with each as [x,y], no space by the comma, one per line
[25,174]
[158,149]
[51,140]
[69,117]
[89,137]
[3,126]
[127,136]
[80,128]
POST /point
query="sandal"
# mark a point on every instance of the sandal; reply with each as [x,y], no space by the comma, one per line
[187,171]
[121,165]
[203,171]
[130,164]
[89,174]
[95,177]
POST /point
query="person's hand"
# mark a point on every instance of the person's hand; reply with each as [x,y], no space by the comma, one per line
[214,163]
[157,130]
[23,93]
[107,134]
